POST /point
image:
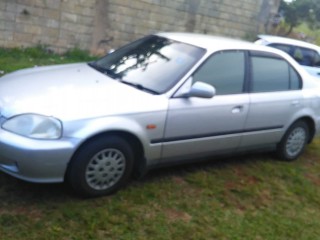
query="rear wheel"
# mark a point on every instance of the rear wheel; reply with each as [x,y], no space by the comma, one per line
[294,141]
[101,166]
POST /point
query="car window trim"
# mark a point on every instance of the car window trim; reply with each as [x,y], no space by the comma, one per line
[246,73]
[255,53]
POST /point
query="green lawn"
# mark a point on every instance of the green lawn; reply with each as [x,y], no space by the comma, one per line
[242,197]
[13,59]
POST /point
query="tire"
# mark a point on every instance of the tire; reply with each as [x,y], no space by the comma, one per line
[101,167]
[294,141]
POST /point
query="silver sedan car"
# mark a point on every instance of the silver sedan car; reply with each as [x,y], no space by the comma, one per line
[163,99]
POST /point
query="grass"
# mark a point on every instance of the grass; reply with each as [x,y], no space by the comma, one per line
[242,197]
[17,58]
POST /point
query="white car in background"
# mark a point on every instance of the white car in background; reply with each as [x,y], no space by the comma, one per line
[306,54]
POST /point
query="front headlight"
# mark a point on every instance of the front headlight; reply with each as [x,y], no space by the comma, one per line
[34,126]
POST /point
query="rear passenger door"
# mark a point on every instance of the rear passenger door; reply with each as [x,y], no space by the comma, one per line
[275,96]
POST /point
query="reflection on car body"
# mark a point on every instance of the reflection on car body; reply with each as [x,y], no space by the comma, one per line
[163,99]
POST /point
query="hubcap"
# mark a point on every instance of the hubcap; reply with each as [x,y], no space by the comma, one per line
[105,169]
[296,141]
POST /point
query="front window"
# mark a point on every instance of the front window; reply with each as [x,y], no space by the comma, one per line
[152,63]
[225,71]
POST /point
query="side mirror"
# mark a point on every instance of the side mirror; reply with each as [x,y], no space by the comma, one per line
[198,89]
[202,90]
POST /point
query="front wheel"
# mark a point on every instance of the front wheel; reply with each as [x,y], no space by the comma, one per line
[101,166]
[294,141]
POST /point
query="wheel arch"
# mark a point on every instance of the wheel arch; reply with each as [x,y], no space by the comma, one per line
[132,140]
[311,124]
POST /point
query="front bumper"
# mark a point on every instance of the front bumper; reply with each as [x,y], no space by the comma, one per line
[42,161]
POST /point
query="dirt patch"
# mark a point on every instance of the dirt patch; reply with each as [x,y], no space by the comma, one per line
[175,215]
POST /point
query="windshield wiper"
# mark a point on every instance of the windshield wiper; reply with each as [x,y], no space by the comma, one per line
[118,77]
[96,67]
[138,86]
[103,70]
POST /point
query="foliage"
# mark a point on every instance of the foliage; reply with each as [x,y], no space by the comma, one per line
[312,35]
[17,58]
[78,54]
[299,11]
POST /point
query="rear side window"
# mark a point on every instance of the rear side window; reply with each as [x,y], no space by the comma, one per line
[304,56]
[225,71]
[273,74]
[285,48]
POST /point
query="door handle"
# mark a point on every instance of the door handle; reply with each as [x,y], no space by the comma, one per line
[295,103]
[237,109]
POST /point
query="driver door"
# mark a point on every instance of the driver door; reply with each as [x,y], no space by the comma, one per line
[200,126]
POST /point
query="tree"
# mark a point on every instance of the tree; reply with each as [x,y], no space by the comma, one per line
[299,11]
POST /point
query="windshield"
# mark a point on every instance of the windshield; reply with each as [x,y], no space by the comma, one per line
[153,63]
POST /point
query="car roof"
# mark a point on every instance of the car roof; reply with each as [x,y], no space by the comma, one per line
[290,41]
[213,43]
[216,43]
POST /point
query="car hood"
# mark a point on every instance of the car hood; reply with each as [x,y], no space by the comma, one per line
[72,91]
